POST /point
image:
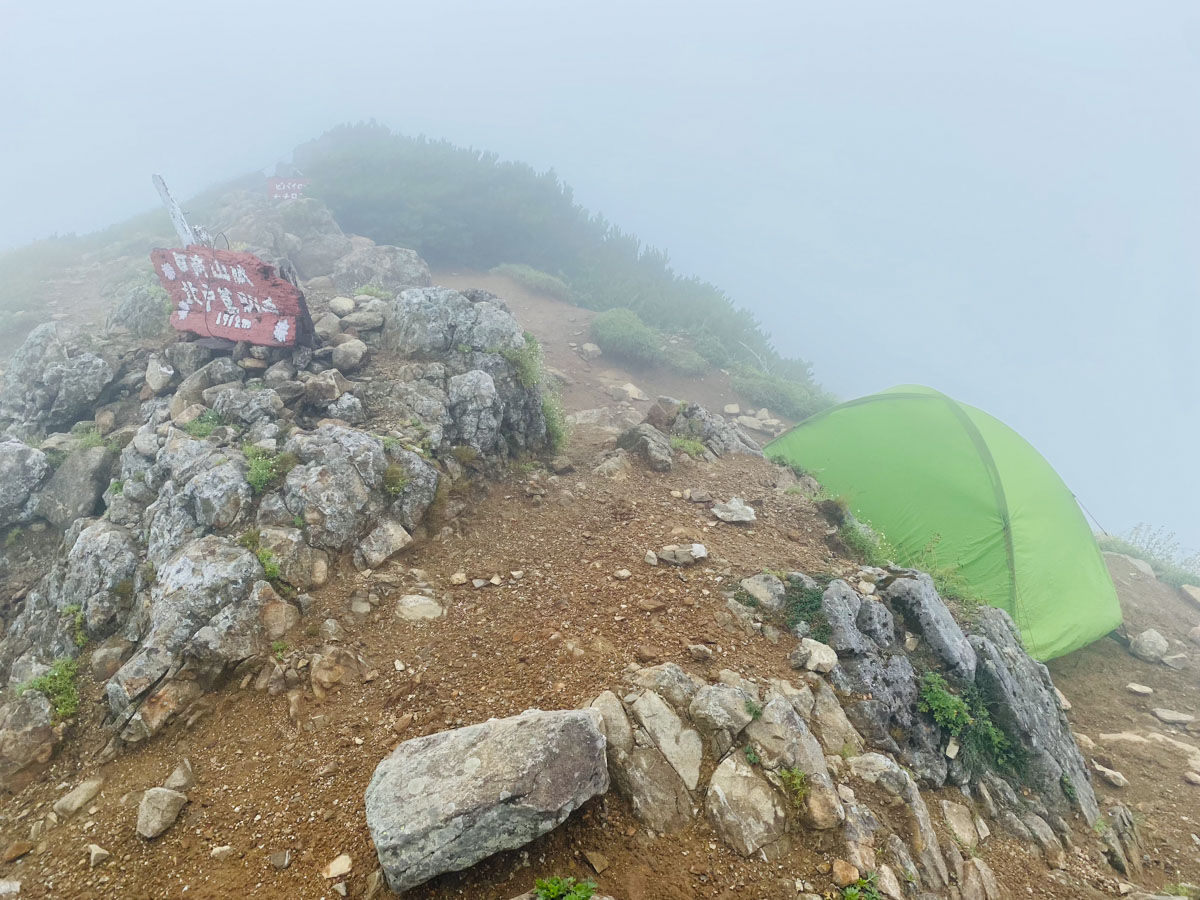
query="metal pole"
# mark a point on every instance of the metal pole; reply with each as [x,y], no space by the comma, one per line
[182,228]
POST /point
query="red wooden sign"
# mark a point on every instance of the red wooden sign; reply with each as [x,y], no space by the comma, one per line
[220,293]
[286,188]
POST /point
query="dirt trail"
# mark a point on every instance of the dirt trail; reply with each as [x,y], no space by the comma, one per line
[552,638]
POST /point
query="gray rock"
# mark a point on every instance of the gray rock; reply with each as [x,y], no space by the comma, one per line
[299,564]
[841,605]
[159,374]
[247,407]
[341,306]
[651,444]
[735,510]
[743,808]
[443,802]
[425,322]
[720,436]
[75,488]
[1149,646]
[680,745]
[918,600]
[1024,704]
[767,590]
[77,798]
[475,409]
[390,268]
[157,812]
[386,539]
[420,489]
[187,357]
[671,683]
[22,469]
[221,370]
[349,356]
[721,712]
[27,734]
[182,778]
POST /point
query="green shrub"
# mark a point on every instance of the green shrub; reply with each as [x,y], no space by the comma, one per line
[965,716]
[866,888]
[117,487]
[557,888]
[279,649]
[89,436]
[780,395]
[801,604]
[260,473]
[557,429]
[395,479]
[374,290]
[13,536]
[266,469]
[269,563]
[871,549]
[685,361]
[535,280]
[204,424]
[625,337]
[795,781]
[1161,549]
[526,362]
[464,453]
[74,615]
[754,709]
[751,755]
[690,446]
[55,456]
[59,687]
[250,538]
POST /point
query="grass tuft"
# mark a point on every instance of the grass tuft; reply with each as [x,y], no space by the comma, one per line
[59,686]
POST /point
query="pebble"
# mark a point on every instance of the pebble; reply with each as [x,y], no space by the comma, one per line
[1134,688]
[96,855]
[700,652]
[651,558]
[338,867]
[1192,778]
[1113,777]
[622,574]
[458,578]
[16,850]
[281,859]
[221,852]
[157,812]
[843,873]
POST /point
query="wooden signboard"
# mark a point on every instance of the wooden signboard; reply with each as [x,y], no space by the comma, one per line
[236,296]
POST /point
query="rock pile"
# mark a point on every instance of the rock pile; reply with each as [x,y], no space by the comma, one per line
[231,480]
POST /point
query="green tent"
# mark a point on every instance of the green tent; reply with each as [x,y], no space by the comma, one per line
[943,479]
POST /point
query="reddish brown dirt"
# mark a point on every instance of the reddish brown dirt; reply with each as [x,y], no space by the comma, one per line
[554,638]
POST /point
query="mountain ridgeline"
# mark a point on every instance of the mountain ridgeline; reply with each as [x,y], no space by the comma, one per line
[460,207]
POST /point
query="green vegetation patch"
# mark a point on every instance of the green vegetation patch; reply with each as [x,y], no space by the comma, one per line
[557,429]
[395,479]
[59,686]
[74,615]
[866,888]
[802,604]
[795,782]
[690,446]
[782,396]
[266,469]
[204,424]
[536,280]
[526,362]
[1161,549]
[965,716]
[374,290]
[557,888]
[621,334]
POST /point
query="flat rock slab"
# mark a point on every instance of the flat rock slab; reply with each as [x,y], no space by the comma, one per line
[1172,717]
[443,802]
[417,607]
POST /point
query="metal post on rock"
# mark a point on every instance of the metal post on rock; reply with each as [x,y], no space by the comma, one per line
[182,228]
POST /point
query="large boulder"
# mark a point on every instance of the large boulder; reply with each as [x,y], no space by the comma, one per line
[1025,705]
[46,387]
[75,487]
[27,734]
[443,802]
[424,322]
[390,268]
[650,443]
[743,808]
[22,469]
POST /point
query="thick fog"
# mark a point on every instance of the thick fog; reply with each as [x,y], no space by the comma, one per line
[1003,204]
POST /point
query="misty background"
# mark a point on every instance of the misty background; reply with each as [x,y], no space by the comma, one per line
[1002,204]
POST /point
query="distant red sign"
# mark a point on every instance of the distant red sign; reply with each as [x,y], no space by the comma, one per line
[220,293]
[286,188]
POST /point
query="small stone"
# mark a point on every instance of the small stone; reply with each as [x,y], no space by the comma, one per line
[221,853]
[700,652]
[596,860]
[1192,778]
[1113,777]
[1134,688]
[281,859]
[821,657]
[496,580]
[735,510]
[651,558]
[97,855]
[1149,646]
[417,608]
[1063,703]
[183,778]
[843,873]
[340,887]
[338,867]
[75,800]
[16,850]
[458,578]
[1171,717]
[158,811]
[349,356]
[622,574]
[341,306]
[732,409]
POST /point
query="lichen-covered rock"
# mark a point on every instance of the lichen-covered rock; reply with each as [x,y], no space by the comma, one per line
[391,268]
[743,808]
[433,321]
[443,802]
[45,387]
[299,564]
[918,600]
[247,407]
[27,734]
[1023,702]
[22,469]
[191,590]
[75,487]
[475,410]
[651,444]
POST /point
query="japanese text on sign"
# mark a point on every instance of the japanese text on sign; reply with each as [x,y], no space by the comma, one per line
[220,293]
[286,188]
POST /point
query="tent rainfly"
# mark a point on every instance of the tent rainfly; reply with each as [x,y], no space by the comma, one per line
[941,478]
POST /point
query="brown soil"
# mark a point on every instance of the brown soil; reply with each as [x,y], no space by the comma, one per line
[554,638]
